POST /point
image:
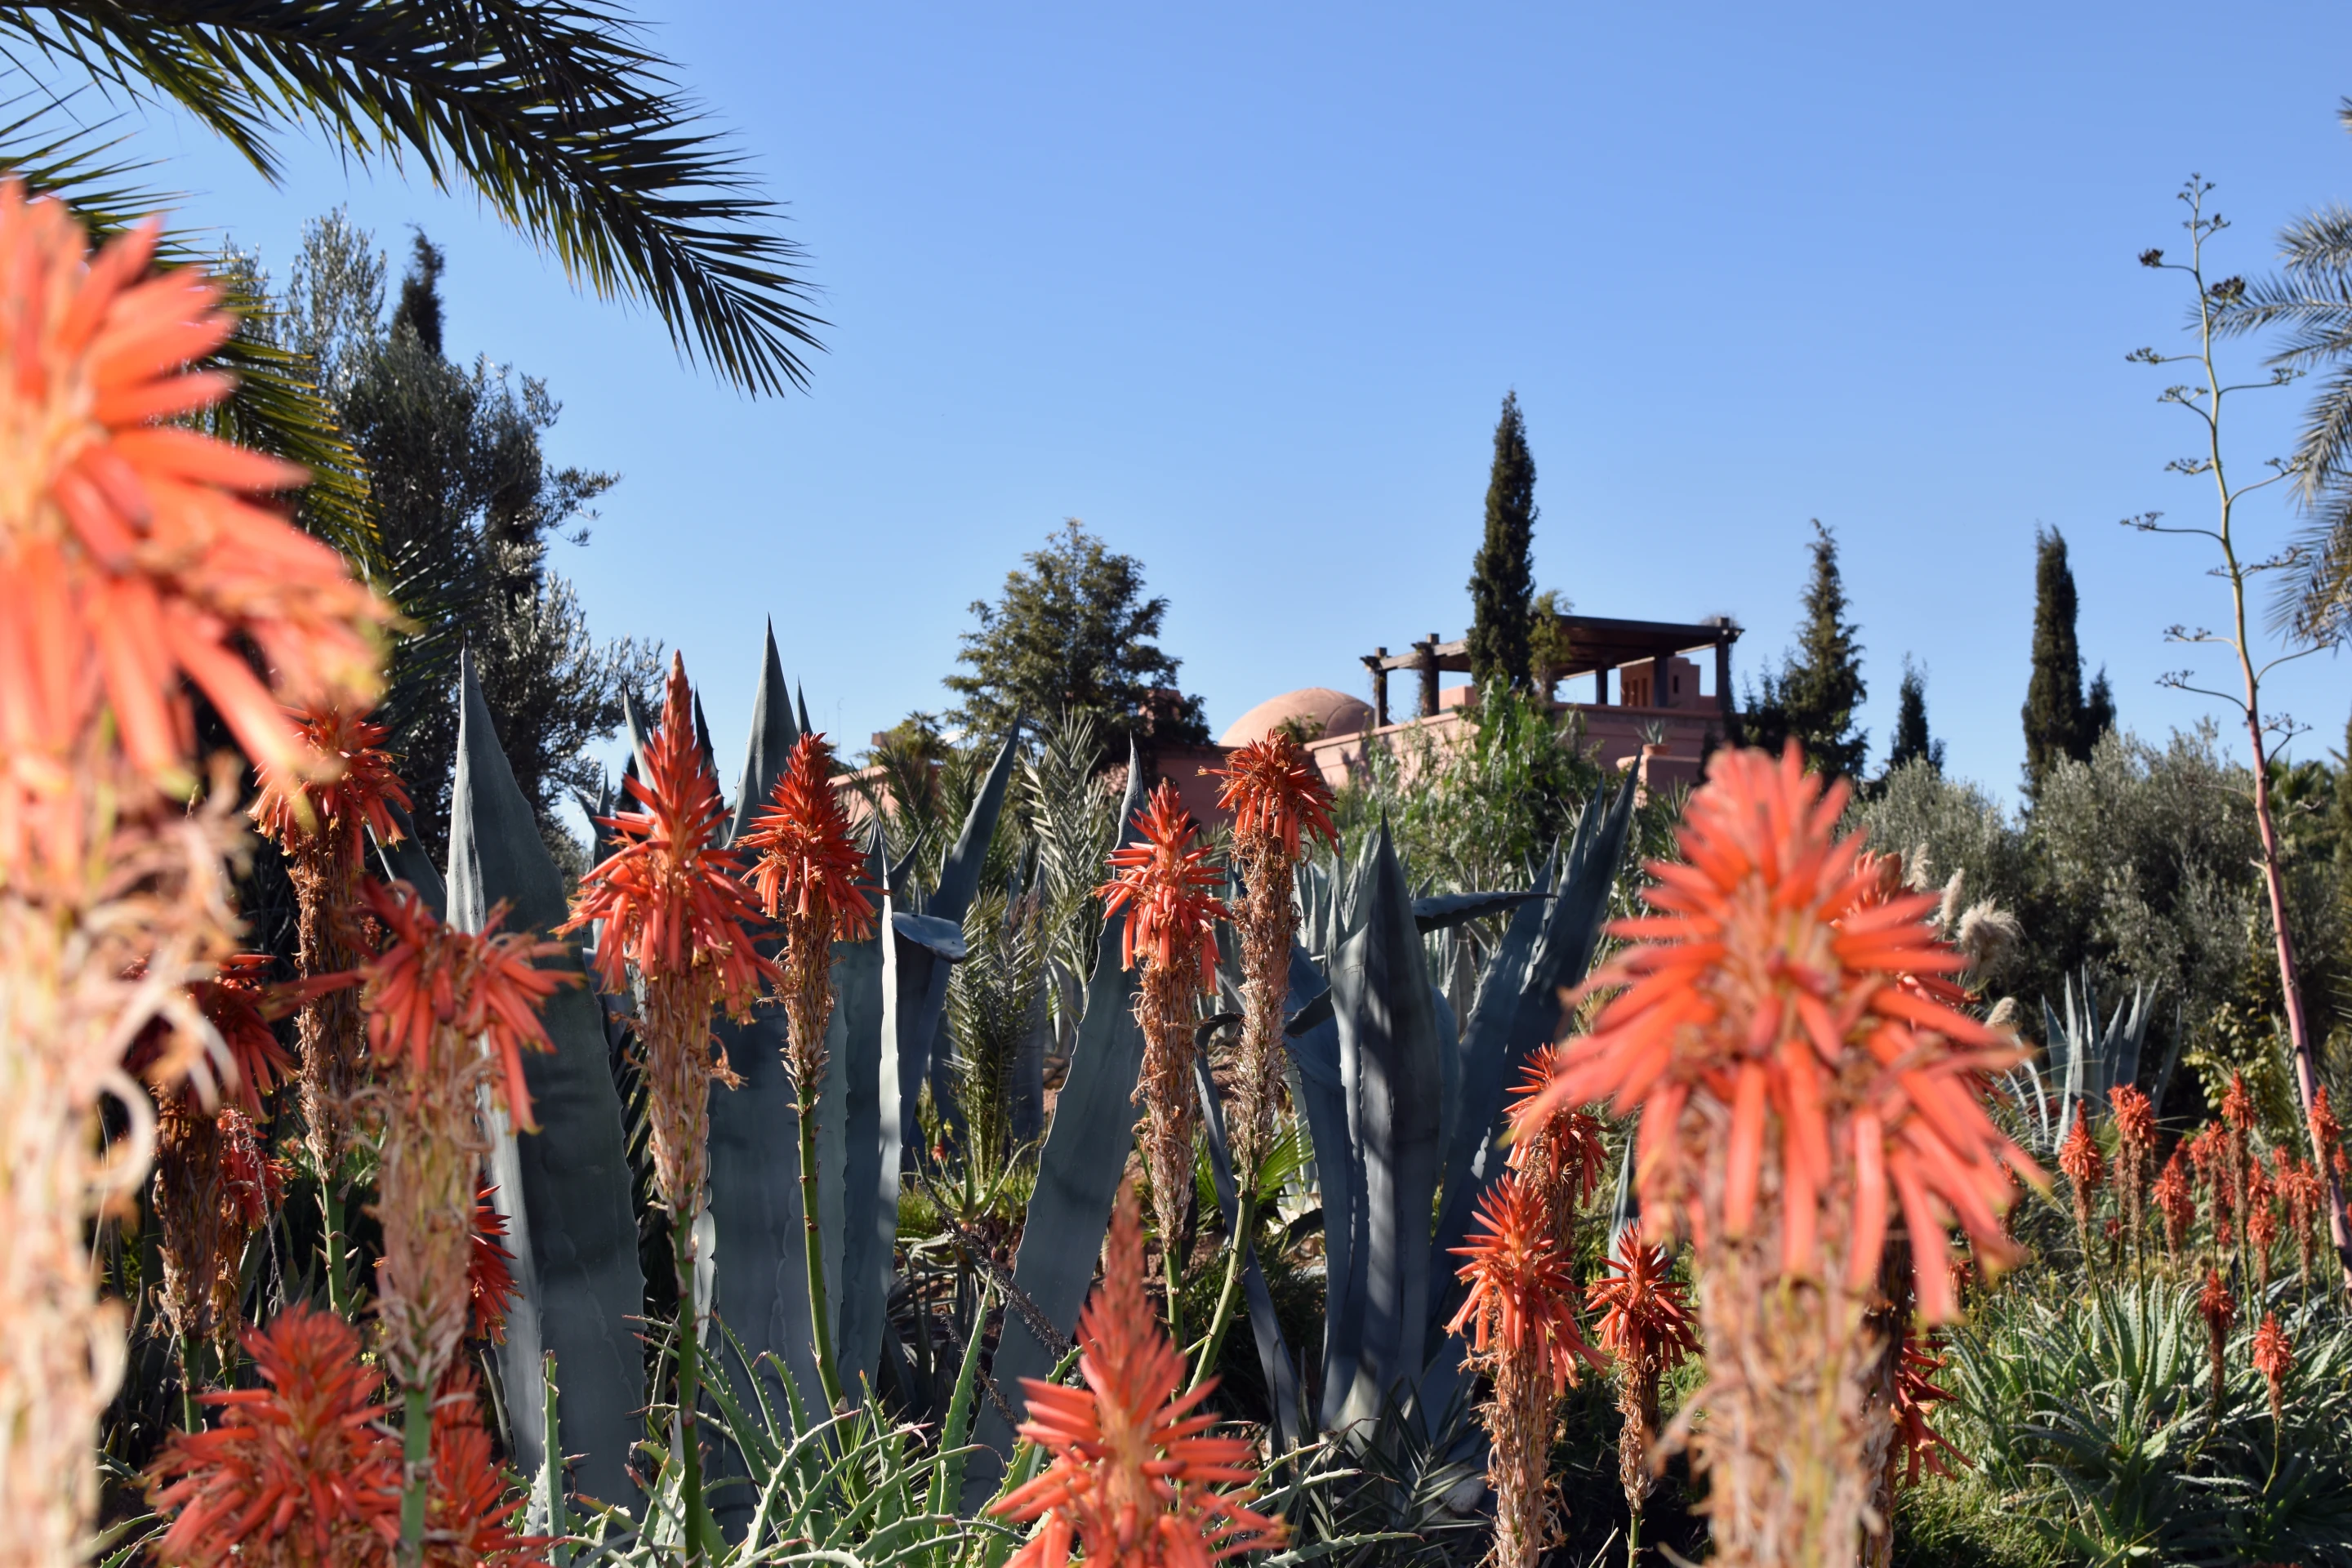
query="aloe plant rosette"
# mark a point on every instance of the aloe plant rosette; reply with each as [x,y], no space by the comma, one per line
[1782,1021]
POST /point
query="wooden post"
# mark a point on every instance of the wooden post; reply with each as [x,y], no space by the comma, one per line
[1723,674]
[1600,687]
[1377,662]
[1428,651]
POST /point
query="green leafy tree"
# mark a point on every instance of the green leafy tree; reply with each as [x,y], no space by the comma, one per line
[1548,645]
[1912,741]
[1814,697]
[1073,630]
[1502,577]
[465,501]
[2059,720]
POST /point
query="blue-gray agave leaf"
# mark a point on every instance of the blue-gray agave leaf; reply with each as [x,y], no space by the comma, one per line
[565,1190]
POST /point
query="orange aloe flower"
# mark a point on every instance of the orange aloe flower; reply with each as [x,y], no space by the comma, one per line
[489,1271]
[1559,1154]
[2326,1132]
[320,816]
[672,906]
[470,1510]
[2275,1359]
[298,1473]
[450,1016]
[1162,886]
[137,568]
[2086,1170]
[1136,1482]
[2299,1182]
[2175,1198]
[1785,1024]
[1645,1326]
[2219,1307]
[1520,1319]
[808,871]
[2134,1151]
[1916,1394]
[1280,801]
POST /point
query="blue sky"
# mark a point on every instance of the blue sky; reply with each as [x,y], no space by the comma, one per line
[1242,287]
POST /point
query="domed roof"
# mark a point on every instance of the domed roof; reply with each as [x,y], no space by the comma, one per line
[1318,709]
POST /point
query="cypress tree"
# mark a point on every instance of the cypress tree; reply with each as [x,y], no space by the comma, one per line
[1502,578]
[2057,722]
[2098,711]
[420,296]
[1822,686]
[1912,743]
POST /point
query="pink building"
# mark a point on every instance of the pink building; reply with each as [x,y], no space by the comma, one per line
[1644,704]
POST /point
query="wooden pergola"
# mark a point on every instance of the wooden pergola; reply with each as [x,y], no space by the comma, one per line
[1596,644]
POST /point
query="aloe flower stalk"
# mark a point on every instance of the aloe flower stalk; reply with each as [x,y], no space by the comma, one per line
[2176,1199]
[2261,1224]
[320,814]
[676,911]
[1557,1153]
[449,1015]
[1134,1481]
[2275,1359]
[1520,1320]
[1645,1327]
[136,568]
[807,874]
[1280,804]
[2219,1307]
[1802,1066]
[214,1185]
[2086,1172]
[2135,1156]
[1161,885]
[2300,1184]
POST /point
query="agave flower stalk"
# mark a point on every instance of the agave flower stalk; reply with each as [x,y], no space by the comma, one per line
[449,1015]
[214,1185]
[1135,1480]
[1802,1066]
[2135,1156]
[1520,1320]
[807,875]
[2219,1307]
[136,567]
[1280,804]
[1645,1327]
[2086,1172]
[1162,884]
[677,912]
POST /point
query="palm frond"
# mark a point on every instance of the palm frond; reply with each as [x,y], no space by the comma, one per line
[551,108]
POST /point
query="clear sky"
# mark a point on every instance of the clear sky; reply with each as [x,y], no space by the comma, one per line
[1242,287]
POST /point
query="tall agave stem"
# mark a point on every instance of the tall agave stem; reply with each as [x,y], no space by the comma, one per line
[134,567]
[675,911]
[806,874]
[1162,884]
[450,1016]
[1783,1023]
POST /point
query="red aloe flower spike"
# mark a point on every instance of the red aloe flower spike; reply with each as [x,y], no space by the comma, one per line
[673,906]
[1520,1320]
[450,1013]
[1161,886]
[469,1516]
[2325,1131]
[298,1472]
[2135,1153]
[1782,1003]
[2275,1359]
[1645,1324]
[2300,1184]
[2086,1170]
[1560,1155]
[1279,800]
[1135,1481]
[345,783]
[1915,1397]
[489,1271]
[2219,1307]
[2175,1198]
[2238,1105]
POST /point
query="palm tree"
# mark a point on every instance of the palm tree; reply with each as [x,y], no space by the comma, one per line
[2311,299]
[552,111]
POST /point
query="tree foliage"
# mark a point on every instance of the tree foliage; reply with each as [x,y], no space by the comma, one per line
[1814,697]
[464,503]
[2060,720]
[1502,576]
[1073,631]
[1912,741]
